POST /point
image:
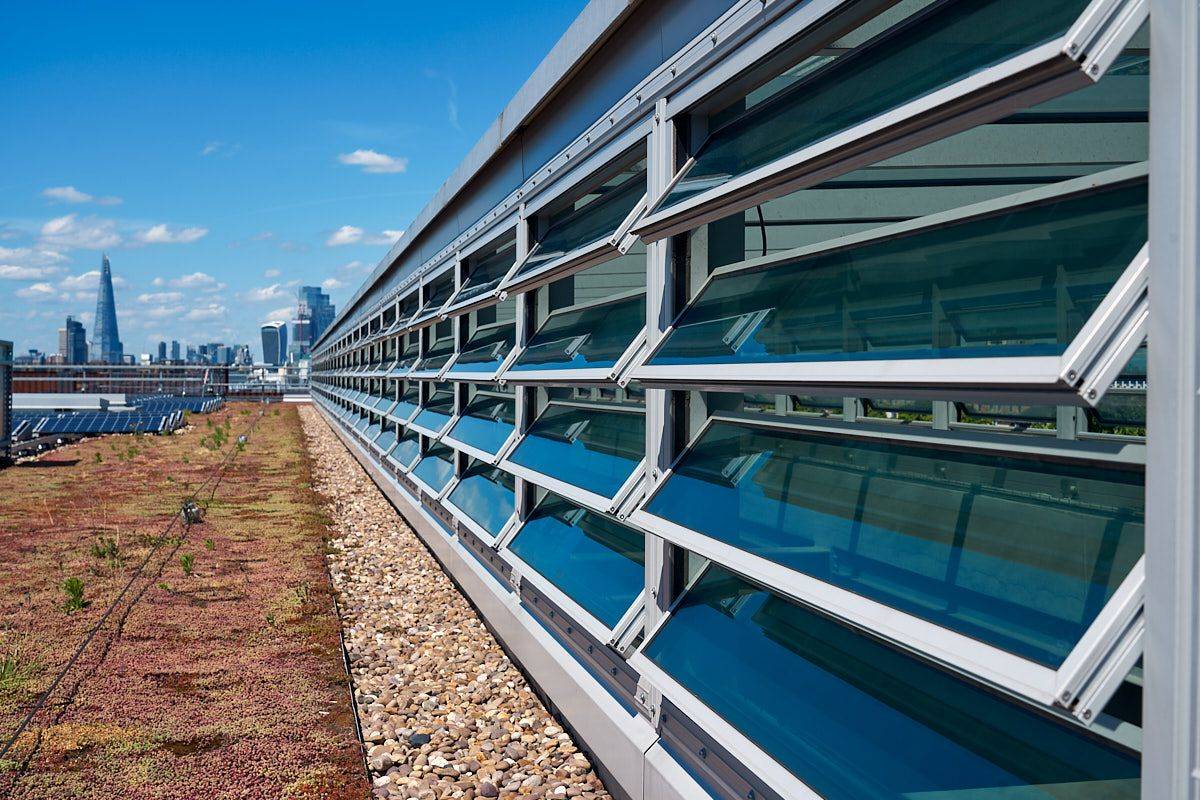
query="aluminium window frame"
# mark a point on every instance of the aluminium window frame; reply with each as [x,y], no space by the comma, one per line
[1113,638]
[497,239]
[479,454]
[474,527]
[490,376]
[1078,376]
[632,355]
[425,487]
[1078,58]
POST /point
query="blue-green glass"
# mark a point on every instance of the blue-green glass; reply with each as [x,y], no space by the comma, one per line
[437,298]
[383,403]
[485,275]
[585,338]
[362,423]
[440,349]
[595,561]
[594,449]
[590,223]
[926,50]
[437,411]
[1020,283]
[486,349]
[436,468]
[487,495]
[486,423]
[855,719]
[373,431]
[407,449]
[386,439]
[1017,551]
[408,356]
[408,403]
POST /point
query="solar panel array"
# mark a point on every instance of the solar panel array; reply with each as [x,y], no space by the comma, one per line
[109,422]
[165,403]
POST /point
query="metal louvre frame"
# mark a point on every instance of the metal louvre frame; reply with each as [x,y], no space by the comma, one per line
[454,306]
[465,520]
[590,500]
[491,376]
[474,452]
[1082,374]
[1090,670]
[578,614]
[1072,61]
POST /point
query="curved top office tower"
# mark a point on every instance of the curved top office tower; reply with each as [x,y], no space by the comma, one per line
[274,343]
[106,341]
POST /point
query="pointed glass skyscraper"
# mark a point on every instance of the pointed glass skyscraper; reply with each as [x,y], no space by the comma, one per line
[106,341]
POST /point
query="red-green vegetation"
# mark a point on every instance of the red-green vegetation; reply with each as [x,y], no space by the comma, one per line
[226,677]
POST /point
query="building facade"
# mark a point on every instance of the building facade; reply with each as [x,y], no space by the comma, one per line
[72,342]
[106,339]
[175,351]
[774,378]
[274,343]
[6,371]
[314,314]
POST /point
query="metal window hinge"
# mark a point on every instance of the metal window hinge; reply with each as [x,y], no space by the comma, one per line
[648,699]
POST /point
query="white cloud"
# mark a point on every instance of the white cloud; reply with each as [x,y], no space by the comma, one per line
[272,273]
[265,294]
[196,280]
[347,234]
[329,284]
[350,267]
[38,292]
[280,314]
[162,311]
[384,237]
[215,148]
[91,233]
[87,282]
[31,257]
[160,297]
[374,162]
[210,311]
[69,194]
[16,272]
[162,234]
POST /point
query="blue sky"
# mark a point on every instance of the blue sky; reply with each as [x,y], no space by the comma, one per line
[223,153]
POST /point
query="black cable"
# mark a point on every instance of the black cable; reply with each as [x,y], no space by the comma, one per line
[762,227]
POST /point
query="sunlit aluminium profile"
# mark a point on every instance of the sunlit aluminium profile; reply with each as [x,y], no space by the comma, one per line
[927,538]
[1039,295]
[822,711]
[592,454]
[947,67]
[484,276]
[591,234]
[485,355]
[590,342]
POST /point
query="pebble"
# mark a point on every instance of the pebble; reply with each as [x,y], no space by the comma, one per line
[444,712]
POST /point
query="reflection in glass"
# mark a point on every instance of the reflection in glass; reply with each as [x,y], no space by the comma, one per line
[487,422]
[594,560]
[438,409]
[595,449]
[1020,552]
[406,450]
[484,275]
[436,468]
[588,336]
[486,349]
[408,403]
[854,719]
[486,495]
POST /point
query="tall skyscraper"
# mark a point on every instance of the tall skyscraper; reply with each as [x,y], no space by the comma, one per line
[72,342]
[106,340]
[174,350]
[274,343]
[162,352]
[314,313]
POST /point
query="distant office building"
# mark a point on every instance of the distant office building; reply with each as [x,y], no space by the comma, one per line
[274,343]
[162,352]
[31,357]
[224,355]
[242,356]
[6,361]
[174,350]
[314,313]
[72,342]
[106,340]
[193,355]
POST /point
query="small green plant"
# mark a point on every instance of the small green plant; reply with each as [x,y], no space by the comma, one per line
[16,668]
[166,587]
[209,544]
[106,547]
[271,620]
[73,588]
[185,460]
[188,562]
[99,458]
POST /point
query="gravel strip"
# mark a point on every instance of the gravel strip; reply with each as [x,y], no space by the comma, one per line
[444,712]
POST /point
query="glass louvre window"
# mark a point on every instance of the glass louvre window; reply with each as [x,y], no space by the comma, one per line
[906,52]
[436,467]
[487,495]
[440,350]
[1018,551]
[383,403]
[361,423]
[407,405]
[484,275]
[593,448]
[438,293]
[852,718]
[437,411]
[372,431]
[486,350]
[1018,282]
[1123,409]
[387,438]
[594,560]
[593,218]
[486,422]
[408,356]
[406,450]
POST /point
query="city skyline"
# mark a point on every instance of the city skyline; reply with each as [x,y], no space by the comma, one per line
[221,192]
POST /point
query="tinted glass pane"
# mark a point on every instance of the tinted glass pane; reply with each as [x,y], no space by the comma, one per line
[436,468]
[437,411]
[407,449]
[440,293]
[441,348]
[590,223]
[486,423]
[373,431]
[408,402]
[593,449]
[854,719]
[1019,552]
[594,336]
[386,439]
[595,561]
[408,356]
[486,495]
[925,46]
[485,275]
[1020,283]
[486,349]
